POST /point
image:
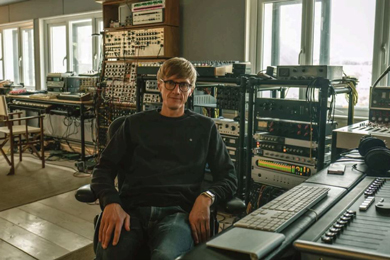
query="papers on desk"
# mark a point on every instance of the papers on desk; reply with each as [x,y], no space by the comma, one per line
[256,243]
[43,96]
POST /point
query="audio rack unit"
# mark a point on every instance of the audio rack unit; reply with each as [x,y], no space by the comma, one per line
[204,68]
[121,92]
[228,97]
[288,149]
[153,42]
[266,137]
[278,173]
[309,72]
[151,86]
[287,157]
[283,166]
[231,141]
[147,5]
[300,110]
[379,105]
[153,98]
[227,126]
[292,129]
[291,132]
[147,17]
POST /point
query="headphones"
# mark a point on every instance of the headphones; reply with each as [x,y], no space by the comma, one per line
[376,154]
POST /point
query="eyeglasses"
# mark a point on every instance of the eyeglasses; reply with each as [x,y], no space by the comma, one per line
[170,85]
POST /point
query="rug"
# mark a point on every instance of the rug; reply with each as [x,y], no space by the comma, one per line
[31,183]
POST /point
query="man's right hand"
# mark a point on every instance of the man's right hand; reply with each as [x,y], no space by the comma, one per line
[113,219]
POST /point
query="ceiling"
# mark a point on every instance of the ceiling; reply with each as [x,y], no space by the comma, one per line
[6,2]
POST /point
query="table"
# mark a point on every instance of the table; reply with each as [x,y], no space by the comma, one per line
[48,106]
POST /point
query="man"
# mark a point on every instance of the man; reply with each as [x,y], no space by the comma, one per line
[160,158]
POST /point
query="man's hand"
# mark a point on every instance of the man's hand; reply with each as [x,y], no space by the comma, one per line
[114,217]
[200,219]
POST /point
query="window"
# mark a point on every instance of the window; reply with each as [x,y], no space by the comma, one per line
[282,36]
[349,33]
[72,43]
[28,68]
[11,54]
[57,48]
[81,32]
[17,54]
[346,42]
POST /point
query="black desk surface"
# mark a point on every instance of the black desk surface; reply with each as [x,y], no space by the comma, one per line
[339,186]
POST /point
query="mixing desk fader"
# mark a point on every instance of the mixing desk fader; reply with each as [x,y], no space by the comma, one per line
[357,227]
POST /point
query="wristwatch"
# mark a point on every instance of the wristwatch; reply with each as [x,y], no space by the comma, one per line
[210,195]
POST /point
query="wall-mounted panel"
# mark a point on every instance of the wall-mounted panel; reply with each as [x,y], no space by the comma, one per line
[212,30]
[35,9]
[75,6]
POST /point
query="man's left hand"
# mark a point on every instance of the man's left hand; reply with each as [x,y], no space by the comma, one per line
[200,219]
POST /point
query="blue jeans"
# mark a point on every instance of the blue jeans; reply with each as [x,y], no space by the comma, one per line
[164,230]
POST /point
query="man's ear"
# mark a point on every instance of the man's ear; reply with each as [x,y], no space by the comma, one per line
[191,91]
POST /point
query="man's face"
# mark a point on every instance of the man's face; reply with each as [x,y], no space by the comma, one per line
[174,100]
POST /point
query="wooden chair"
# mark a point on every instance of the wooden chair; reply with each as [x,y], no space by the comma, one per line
[14,128]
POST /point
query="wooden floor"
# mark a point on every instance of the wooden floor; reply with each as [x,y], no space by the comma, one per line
[59,227]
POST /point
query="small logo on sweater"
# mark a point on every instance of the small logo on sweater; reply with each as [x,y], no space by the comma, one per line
[190,139]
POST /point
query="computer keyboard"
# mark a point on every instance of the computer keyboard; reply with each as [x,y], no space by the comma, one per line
[283,210]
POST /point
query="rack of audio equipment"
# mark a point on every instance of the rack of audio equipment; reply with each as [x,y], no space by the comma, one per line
[152,36]
[290,138]
[116,10]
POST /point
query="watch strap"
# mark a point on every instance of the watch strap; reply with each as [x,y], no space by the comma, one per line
[210,195]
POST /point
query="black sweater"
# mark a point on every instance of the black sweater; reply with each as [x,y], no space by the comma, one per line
[160,161]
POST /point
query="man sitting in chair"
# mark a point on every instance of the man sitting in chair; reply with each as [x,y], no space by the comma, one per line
[161,155]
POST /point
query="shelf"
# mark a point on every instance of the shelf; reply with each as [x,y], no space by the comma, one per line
[206,105]
[171,14]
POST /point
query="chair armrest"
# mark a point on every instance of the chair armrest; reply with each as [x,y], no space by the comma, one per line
[235,206]
[85,194]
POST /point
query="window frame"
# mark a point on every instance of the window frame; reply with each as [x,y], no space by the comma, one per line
[21,73]
[254,38]
[48,64]
[19,26]
[46,23]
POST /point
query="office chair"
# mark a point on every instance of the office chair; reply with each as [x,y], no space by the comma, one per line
[85,194]
[31,135]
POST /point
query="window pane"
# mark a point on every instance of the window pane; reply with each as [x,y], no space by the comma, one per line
[57,48]
[28,57]
[346,42]
[81,46]
[11,55]
[282,35]
[1,57]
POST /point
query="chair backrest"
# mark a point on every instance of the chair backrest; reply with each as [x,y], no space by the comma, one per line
[3,106]
[114,126]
